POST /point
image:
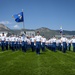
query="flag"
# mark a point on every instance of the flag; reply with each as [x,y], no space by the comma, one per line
[61,30]
[19,17]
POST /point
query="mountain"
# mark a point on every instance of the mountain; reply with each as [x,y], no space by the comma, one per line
[47,32]
[43,31]
[3,28]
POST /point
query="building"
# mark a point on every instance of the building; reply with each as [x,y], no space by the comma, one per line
[68,36]
[30,33]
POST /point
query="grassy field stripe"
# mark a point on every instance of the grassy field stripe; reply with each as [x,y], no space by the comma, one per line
[3,51]
[72,54]
[47,61]
[38,65]
[8,54]
[65,57]
[59,55]
[10,63]
[62,63]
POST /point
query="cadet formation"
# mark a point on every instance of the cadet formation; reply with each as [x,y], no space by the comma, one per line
[36,43]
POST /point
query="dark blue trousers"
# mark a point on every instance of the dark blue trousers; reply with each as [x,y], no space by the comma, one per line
[60,47]
[24,46]
[6,44]
[13,46]
[38,45]
[54,46]
[17,46]
[32,46]
[43,46]
[2,45]
[10,45]
[64,47]
[73,47]
[69,46]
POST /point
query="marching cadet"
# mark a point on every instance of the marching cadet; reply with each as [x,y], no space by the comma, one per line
[59,44]
[64,43]
[43,41]
[20,42]
[73,43]
[69,44]
[15,40]
[10,43]
[38,42]
[50,43]
[6,42]
[16,43]
[54,44]
[32,39]
[13,43]
[3,41]
[24,43]
[47,43]
[28,42]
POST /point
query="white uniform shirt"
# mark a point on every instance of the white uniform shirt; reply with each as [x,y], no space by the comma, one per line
[73,40]
[24,39]
[69,40]
[59,40]
[19,39]
[12,39]
[50,41]
[16,38]
[63,39]
[43,39]
[7,39]
[53,39]
[3,38]
[38,38]
[47,42]
[28,41]
[32,39]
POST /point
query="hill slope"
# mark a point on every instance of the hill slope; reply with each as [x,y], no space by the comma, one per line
[3,27]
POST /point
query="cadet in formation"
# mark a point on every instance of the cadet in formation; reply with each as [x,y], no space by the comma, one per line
[38,42]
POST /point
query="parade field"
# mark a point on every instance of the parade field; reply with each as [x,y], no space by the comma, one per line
[29,63]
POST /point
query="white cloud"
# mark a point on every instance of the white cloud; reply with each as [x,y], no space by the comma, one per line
[16,26]
[5,22]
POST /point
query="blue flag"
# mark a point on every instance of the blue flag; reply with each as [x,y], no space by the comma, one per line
[19,17]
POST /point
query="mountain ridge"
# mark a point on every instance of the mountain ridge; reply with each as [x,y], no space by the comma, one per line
[3,27]
[43,31]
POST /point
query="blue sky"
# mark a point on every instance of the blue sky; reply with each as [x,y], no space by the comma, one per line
[39,13]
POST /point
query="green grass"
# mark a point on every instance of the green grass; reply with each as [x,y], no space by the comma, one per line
[29,63]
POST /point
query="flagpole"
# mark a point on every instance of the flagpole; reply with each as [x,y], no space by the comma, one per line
[23,18]
[23,25]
